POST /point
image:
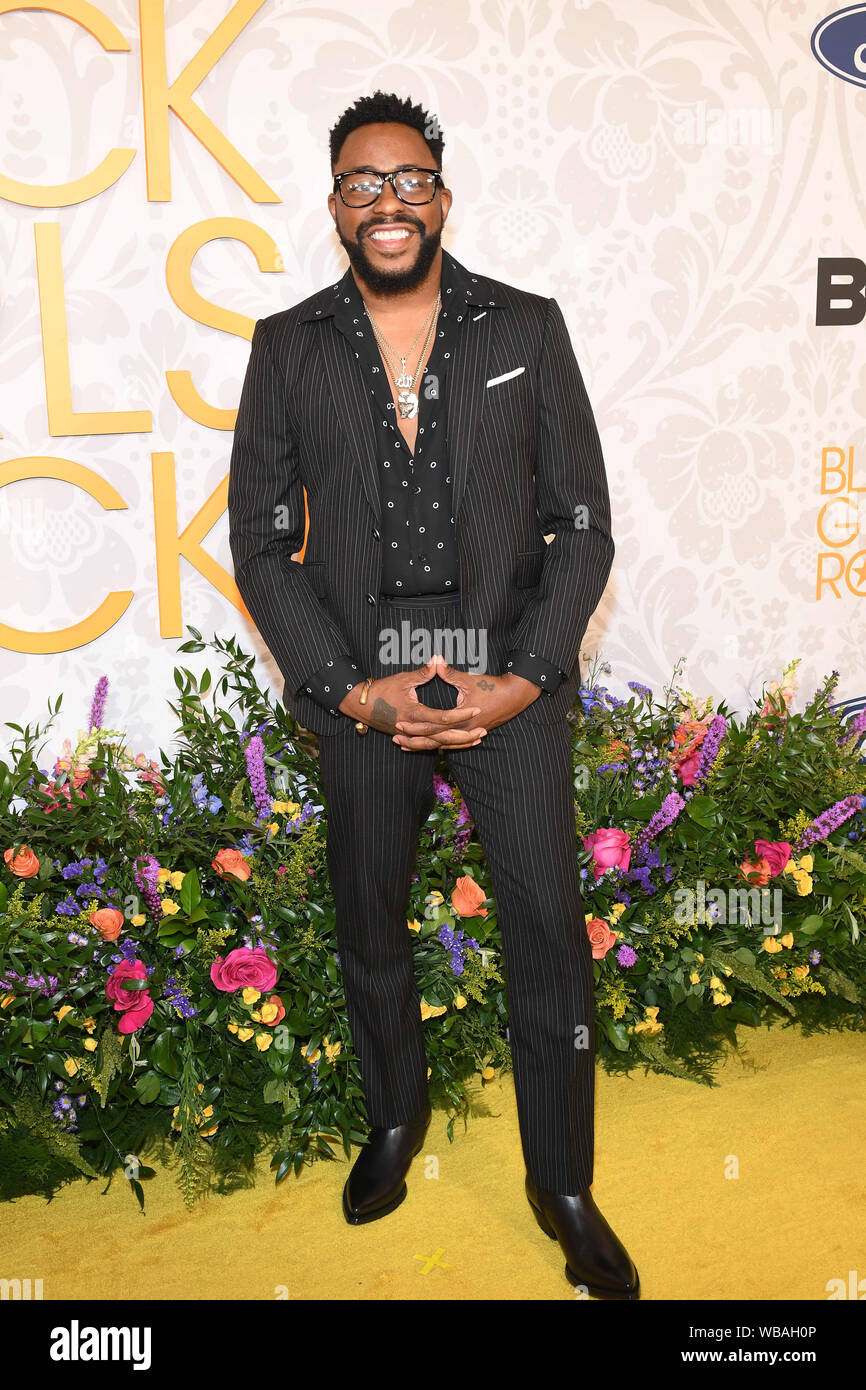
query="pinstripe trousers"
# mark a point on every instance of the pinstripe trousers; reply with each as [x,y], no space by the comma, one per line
[518,788]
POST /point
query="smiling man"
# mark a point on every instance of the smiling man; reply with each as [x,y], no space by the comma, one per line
[438,421]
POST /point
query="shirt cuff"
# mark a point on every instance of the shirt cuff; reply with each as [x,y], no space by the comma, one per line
[329,685]
[532,668]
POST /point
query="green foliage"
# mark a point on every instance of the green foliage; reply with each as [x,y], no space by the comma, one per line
[210,1079]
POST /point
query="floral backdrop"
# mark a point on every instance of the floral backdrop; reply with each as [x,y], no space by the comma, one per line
[670,170]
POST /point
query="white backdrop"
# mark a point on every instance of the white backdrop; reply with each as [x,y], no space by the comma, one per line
[669,170]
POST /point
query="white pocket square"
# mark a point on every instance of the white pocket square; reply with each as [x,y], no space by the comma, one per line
[506,376]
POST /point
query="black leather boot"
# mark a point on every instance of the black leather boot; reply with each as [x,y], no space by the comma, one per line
[594,1254]
[376,1183]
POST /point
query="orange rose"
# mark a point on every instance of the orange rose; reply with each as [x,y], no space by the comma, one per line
[273,1005]
[231,862]
[601,938]
[108,921]
[756,874]
[467,898]
[25,863]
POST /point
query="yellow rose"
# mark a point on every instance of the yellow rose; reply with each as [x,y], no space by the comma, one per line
[695,978]
[163,875]
[245,1034]
[61,1013]
[232,1027]
[90,1025]
[429,1011]
[804,884]
[715,983]
[206,1133]
[314,1057]
[176,879]
[699,957]
[414,925]
[806,862]
[168,907]
[70,1066]
[263,1041]
[617,910]
[771,945]
[332,1050]
[787,939]
[488,1073]
[250,995]
[268,1013]
[460,1002]
[90,1044]
[273,827]
[138,920]
[800,971]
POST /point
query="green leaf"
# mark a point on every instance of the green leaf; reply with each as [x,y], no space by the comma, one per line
[617,1033]
[147,1087]
[190,891]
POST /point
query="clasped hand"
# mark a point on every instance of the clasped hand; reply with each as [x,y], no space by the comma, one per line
[483,702]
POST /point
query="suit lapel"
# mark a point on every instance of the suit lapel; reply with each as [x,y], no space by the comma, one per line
[352,409]
[467,380]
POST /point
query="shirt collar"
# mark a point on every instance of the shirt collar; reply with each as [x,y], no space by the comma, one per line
[458,284]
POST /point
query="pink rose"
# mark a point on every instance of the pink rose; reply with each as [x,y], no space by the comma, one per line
[776,852]
[688,768]
[135,1005]
[610,849]
[243,967]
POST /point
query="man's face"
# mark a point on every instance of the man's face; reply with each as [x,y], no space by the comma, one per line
[403,265]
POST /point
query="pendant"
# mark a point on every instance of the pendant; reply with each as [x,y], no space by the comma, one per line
[408,403]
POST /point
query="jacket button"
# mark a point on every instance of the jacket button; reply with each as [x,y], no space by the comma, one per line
[370,598]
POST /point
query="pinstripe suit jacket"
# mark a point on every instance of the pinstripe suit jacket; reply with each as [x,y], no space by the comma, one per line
[525,458]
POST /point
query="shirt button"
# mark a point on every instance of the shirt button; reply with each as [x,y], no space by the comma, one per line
[370,598]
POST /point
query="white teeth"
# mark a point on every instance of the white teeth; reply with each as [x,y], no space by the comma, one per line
[389,235]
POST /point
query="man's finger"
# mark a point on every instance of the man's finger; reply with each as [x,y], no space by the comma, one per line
[428,728]
[440,718]
[410,744]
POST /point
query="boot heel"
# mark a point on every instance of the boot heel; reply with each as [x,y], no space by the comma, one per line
[543,1221]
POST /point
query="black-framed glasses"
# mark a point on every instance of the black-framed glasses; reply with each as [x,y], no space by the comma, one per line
[360,187]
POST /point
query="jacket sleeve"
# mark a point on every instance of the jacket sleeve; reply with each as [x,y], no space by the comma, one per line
[266,526]
[572,500]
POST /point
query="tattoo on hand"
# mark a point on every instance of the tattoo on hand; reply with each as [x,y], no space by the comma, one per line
[486,685]
[385,713]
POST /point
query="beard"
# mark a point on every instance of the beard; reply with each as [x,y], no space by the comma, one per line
[399,281]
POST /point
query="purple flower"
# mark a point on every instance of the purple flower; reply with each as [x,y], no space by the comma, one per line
[254,755]
[665,816]
[710,747]
[642,690]
[828,821]
[441,788]
[626,956]
[98,704]
[146,878]
[814,957]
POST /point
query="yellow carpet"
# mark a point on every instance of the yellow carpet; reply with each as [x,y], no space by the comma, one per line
[789,1116]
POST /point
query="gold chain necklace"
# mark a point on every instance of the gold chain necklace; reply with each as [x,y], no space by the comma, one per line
[407,399]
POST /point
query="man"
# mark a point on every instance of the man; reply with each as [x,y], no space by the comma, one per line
[439,424]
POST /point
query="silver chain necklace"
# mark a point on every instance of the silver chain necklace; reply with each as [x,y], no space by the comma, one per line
[407,399]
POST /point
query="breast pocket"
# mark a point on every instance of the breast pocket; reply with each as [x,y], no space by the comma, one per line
[315,572]
[528,568]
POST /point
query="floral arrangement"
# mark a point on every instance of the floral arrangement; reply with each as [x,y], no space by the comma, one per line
[169,974]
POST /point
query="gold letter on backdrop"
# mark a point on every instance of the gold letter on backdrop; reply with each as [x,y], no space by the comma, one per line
[115,163]
[62,419]
[170,546]
[178,277]
[157,98]
[113,607]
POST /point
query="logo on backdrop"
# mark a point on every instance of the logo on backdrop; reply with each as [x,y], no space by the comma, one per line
[839,44]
